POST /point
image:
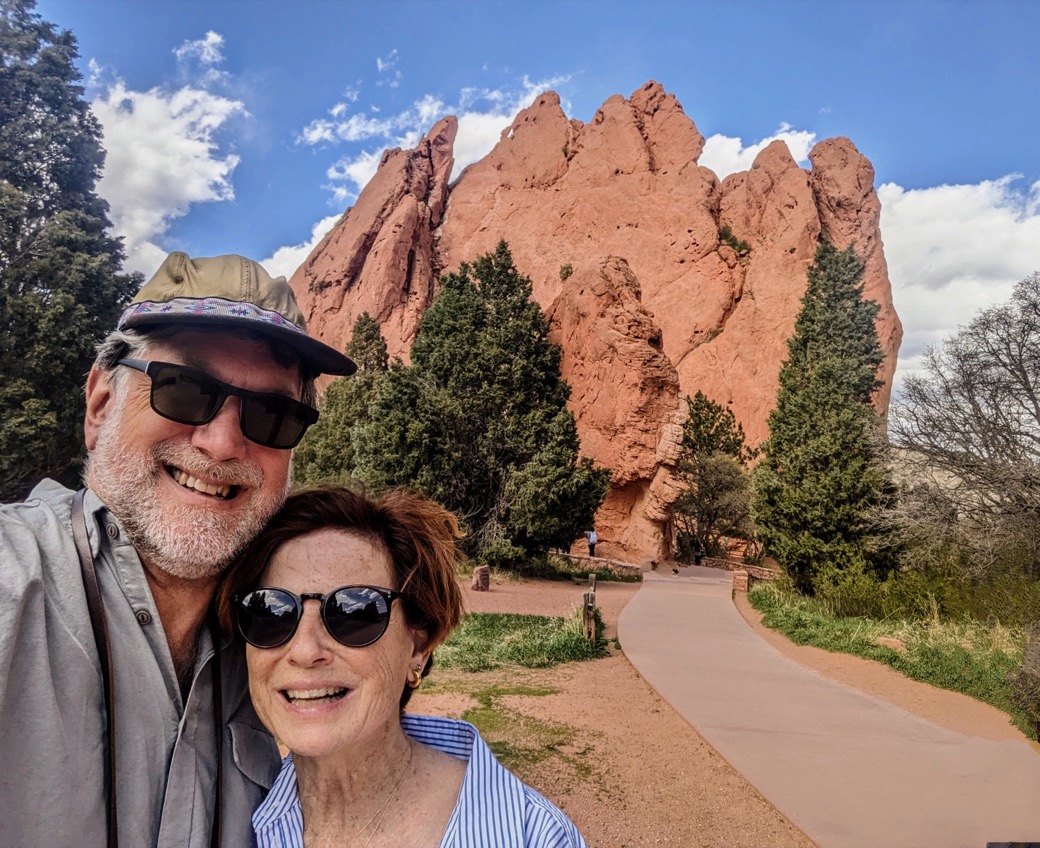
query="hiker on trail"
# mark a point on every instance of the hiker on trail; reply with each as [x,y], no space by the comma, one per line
[341,601]
[592,538]
[118,704]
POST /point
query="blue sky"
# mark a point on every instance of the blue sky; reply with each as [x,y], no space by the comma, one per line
[247,126]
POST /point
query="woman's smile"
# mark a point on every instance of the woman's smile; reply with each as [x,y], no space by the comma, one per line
[314,697]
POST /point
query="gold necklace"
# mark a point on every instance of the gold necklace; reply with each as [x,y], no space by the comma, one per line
[377,816]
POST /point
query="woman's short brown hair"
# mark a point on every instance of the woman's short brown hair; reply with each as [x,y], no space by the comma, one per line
[419,534]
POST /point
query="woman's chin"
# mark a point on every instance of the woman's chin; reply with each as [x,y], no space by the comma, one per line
[312,748]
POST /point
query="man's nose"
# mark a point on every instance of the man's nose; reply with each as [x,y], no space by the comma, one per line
[221,437]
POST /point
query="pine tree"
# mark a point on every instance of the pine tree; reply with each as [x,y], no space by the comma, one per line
[60,290]
[822,478]
[327,451]
[714,489]
[479,421]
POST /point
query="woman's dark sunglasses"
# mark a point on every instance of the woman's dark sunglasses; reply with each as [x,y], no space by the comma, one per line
[354,616]
[188,396]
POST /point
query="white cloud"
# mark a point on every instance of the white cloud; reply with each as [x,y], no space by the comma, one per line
[351,171]
[482,115]
[164,151]
[354,128]
[207,51]
[953,250]
[388,69]
[162,158]
[727,155]
[286,260]
[388,63]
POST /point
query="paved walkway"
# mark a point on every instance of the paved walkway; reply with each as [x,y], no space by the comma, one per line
[848,769]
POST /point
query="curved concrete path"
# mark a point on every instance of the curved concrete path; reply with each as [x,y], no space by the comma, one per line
[850,770]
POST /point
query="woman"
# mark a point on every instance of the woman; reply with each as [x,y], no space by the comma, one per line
[341,601]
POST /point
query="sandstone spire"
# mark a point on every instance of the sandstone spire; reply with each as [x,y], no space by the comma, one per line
[656,304]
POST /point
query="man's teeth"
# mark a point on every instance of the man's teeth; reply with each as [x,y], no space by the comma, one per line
[313,694]
[190,482]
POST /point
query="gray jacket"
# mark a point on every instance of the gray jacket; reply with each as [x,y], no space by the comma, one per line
[52,716]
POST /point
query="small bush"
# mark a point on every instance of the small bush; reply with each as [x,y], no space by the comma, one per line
[726,236]
[502,554]
[566,271]
[553,567]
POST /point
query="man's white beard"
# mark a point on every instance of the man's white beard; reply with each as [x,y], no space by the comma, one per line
[189,542]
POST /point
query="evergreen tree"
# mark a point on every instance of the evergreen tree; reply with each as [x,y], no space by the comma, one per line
[327,451]
[714,488]
[822,478]
[479,421]
[367,346]
[60,290]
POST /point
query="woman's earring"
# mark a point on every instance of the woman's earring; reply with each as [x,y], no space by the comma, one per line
[414,677]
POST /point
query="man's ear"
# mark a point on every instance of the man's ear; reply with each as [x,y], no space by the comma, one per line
[100,398]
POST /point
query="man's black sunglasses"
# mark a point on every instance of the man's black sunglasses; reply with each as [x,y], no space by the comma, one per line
[188,396]
[354,616]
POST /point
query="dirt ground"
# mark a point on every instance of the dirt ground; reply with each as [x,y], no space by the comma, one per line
[598,741]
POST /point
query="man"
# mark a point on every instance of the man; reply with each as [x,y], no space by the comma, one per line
[193,405]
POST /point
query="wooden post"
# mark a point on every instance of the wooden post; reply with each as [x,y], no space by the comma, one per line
[588,611]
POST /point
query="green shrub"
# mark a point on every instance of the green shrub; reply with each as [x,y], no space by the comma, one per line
[726,236]
[552,567]
[490,640]
[503,554]
[1025,680]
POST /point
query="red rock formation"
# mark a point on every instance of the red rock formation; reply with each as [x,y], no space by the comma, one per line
[657,305]
[379,257]
[624,389]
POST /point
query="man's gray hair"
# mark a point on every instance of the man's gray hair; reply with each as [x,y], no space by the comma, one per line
[134,344]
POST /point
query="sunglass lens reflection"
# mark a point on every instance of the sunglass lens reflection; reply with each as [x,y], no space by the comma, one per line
[357,617]
[269,421]
[185,396]
[267,617]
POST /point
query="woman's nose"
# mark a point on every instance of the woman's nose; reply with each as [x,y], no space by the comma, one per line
[310,644]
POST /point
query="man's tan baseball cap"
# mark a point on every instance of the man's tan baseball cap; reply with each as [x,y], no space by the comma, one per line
[229,291]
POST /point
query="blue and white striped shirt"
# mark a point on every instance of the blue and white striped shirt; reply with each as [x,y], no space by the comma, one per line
[494,809]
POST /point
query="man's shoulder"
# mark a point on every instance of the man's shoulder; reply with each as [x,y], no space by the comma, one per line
[35,531]
[47,508]
[48,501]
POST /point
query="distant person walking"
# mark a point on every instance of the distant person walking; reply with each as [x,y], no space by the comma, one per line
[592,538]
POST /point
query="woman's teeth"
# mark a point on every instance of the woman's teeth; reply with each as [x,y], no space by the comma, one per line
[314,695]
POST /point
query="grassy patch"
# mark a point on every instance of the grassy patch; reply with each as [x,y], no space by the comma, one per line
[490,640]
[523,743]
[965,657]
[550,567]
[553,567]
